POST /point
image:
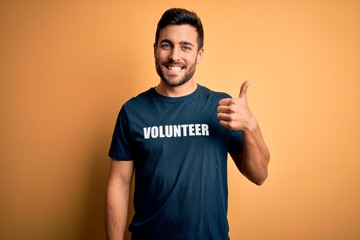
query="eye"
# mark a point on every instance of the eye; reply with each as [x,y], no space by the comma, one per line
[165,46]
[186,48]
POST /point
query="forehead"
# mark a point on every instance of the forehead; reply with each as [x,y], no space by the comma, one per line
[179,33]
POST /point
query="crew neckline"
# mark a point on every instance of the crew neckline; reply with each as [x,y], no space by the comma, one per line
[175,99]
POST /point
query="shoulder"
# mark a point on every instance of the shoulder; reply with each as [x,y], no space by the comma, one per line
[140,99]
[211,93]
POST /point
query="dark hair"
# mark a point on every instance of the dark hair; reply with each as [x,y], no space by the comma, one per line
[178,16]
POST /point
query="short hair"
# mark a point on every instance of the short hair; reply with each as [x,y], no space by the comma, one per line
[179,16]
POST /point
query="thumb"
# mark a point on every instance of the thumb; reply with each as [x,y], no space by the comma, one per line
[243,89]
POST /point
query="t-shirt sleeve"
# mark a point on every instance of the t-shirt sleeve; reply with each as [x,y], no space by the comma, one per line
[120,148]
[236,141]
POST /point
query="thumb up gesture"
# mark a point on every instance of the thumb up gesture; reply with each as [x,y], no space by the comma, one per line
[234,113]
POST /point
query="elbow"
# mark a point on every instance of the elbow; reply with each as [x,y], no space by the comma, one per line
[263,175]
[257,173]
[257,178]
[261,179]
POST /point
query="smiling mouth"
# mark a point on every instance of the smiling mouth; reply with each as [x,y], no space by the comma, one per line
[174,68]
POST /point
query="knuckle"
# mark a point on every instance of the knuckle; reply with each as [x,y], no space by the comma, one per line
[232,125]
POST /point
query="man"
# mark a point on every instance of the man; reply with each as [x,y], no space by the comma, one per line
[176,137]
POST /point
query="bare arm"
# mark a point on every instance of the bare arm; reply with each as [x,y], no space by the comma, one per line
[254,160]
[117,198]
[235,114]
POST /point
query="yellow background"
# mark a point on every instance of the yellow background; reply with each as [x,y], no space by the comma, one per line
[66,67]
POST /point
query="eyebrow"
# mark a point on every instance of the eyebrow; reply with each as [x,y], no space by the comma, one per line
[186,43]
[182,42]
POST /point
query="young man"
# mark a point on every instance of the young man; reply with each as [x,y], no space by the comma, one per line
[176,137]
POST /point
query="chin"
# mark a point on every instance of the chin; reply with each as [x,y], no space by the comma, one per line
[175,83]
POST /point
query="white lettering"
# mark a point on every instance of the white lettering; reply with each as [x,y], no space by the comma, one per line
[204,130]
[197,130]
[161,130]
[169,131]
[184,127]
[191,130]
[177,131]
[147,132]
[154,132]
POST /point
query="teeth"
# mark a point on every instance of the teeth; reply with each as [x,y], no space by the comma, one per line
[176,69]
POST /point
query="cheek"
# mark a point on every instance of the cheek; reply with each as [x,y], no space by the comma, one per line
[161,56]
[194,60]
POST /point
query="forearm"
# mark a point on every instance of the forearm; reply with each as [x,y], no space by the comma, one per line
[255,157]
[117,204]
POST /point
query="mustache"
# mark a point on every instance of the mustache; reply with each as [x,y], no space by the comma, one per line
[175,63]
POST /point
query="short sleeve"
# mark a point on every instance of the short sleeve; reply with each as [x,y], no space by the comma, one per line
[120,148]
[236,141]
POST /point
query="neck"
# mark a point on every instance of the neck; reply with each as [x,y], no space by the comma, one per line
[176,91]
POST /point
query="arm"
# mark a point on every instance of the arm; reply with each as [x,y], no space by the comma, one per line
[254,160]
[235,114]
[117,198]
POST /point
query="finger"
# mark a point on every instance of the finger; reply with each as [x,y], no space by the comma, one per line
[223,109]
[225,101]
[224,116]
[224,123]
[243,89]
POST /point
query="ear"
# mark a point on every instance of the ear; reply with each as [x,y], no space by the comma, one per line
[200,56]
[155,47]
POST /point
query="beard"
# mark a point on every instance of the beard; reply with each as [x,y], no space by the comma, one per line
[170,79]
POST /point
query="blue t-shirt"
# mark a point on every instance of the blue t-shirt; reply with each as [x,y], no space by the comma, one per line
[179,151]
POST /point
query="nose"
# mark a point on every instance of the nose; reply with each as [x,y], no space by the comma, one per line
[174,54]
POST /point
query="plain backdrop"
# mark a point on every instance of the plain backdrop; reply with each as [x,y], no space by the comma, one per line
[66,67]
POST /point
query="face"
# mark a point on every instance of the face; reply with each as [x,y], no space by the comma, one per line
[177,53]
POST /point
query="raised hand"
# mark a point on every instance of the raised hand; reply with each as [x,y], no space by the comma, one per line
[234,113]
